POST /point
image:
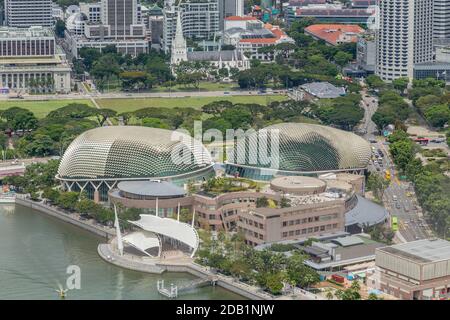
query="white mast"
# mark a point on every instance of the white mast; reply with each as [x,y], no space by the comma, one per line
[119,235]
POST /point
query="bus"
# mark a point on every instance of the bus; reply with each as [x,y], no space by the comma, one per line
[422,141]
[394,223]
[387,175]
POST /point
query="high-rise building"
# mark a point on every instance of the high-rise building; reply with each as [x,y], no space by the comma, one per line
[200,19]
[121,16]
[27,13]
[405,37]
[112,23]
[441,24]
[229,8]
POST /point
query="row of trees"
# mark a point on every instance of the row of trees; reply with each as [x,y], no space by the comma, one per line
[38,176]
[392,109]
[267,269]
[429,96]
[52,134]
[78,202]
[432,101]
[141,72]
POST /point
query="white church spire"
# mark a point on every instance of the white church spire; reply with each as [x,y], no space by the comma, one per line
[179,48]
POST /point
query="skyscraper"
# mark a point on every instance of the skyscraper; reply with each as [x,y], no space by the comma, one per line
[441,22]
[228,8]
[27,13]
[405,37]
[120,15]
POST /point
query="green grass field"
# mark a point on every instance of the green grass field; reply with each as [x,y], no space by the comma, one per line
[40,108]
[123,105]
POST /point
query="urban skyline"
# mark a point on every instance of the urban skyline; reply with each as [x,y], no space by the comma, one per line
[273,150]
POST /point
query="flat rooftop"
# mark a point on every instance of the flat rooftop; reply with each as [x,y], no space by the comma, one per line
[323,90]
[421,251]
[32,32]
[356,249]
[151,188]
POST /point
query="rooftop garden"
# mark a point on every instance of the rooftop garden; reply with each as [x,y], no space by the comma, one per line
[220,185]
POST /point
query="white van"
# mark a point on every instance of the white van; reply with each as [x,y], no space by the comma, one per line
[394,197]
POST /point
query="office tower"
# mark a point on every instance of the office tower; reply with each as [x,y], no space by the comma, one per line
[229,8]
[27,13]
[441,23]
[405,37]
[120,16]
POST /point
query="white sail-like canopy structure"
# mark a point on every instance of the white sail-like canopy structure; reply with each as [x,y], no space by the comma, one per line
[180,231]
[142,241]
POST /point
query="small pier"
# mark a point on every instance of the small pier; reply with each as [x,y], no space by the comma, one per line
[173,291]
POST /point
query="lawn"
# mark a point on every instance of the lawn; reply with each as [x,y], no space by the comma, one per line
[114,86]
[40,108]
[123,105]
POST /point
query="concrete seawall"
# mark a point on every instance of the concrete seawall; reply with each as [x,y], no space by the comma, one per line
[107,255]
[228,283]
[73,219]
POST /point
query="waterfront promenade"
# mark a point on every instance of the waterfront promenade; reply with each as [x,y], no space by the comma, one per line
[72,218]
[183,264]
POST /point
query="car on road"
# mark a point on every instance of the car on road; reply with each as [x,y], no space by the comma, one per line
[226,92]
[397,205]
[372,141]
[394,197]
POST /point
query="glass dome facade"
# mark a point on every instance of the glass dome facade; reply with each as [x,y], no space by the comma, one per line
[101,157]
[303,149]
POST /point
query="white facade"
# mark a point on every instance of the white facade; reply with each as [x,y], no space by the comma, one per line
[199,18]
[441,22]
[92,11]
[405,37]
[229,8]
[27,13]
[132,47]
[109,22]
[443,54]
[31,61]
[179,49]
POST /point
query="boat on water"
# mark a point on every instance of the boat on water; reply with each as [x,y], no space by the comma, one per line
[62,293]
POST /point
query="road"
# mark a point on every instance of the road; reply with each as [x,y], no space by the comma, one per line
[135,95]
[26,161]
[399,198]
